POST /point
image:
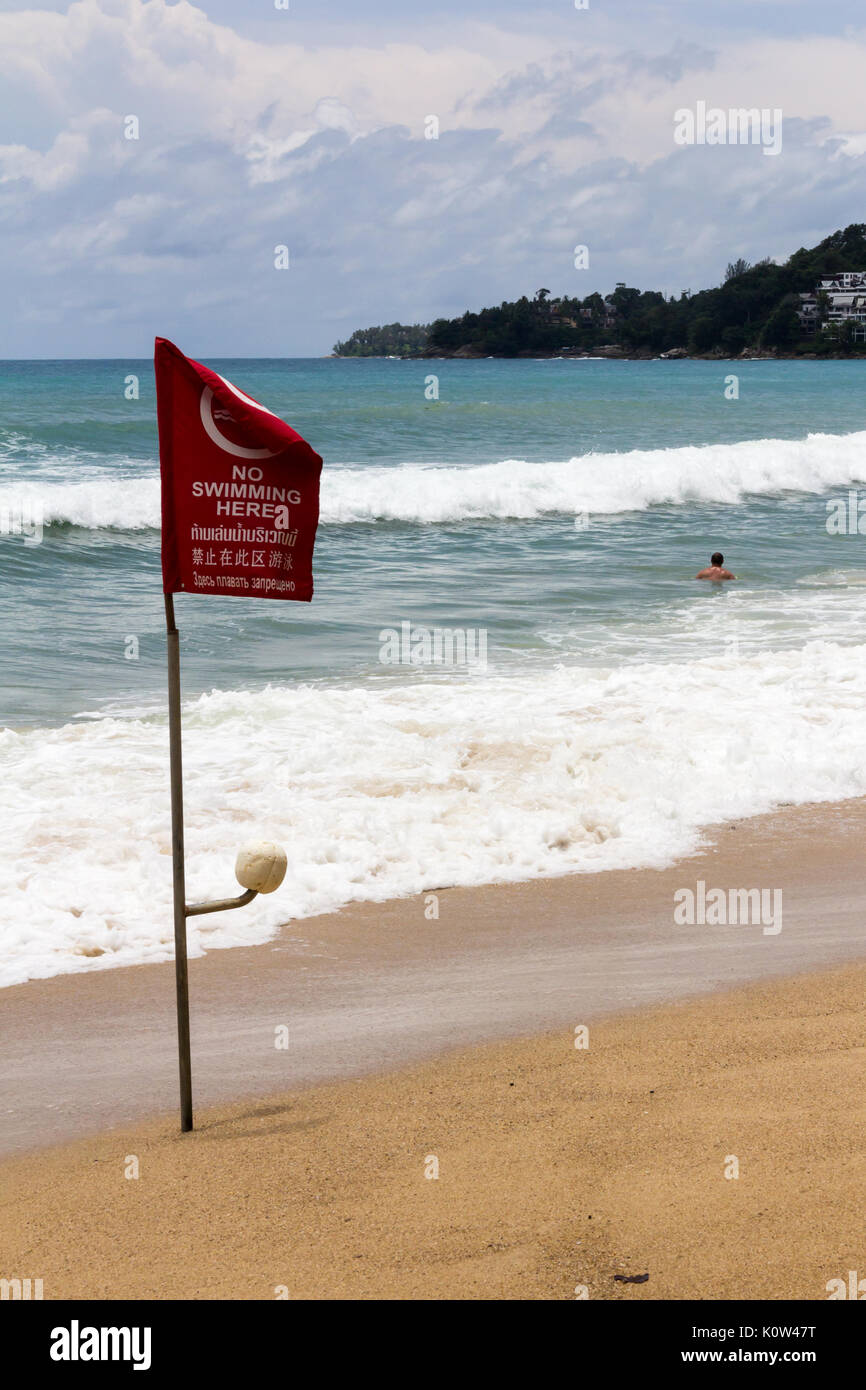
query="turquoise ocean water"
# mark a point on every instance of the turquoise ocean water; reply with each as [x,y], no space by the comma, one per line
[560,506]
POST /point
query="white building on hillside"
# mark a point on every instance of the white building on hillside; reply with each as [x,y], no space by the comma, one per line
[845,280]
[843,300]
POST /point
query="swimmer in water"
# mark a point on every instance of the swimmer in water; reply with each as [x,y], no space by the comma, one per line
[716,572]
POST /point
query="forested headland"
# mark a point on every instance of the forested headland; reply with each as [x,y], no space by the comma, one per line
[753,311]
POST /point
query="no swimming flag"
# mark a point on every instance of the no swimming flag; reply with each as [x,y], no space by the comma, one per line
[240,488]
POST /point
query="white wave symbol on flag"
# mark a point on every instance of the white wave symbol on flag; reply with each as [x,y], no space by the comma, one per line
[209,417]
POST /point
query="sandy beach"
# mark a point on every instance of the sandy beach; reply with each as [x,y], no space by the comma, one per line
[561,1172]
[414,1043]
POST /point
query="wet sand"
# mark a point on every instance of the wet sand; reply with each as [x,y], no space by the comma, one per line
[381,986]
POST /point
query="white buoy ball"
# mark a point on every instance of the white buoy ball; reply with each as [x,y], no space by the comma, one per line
[261,866]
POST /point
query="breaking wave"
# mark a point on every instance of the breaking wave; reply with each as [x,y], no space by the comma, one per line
[600,484]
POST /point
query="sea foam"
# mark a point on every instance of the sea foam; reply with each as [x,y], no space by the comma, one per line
[380,791]
[600,484]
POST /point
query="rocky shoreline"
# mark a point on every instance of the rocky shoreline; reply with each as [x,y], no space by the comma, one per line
[611,351]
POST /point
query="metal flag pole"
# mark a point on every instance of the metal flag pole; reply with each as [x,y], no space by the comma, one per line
[180,962]
[260,869]
[192,447]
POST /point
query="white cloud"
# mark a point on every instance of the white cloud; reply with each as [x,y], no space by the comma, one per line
[245,144]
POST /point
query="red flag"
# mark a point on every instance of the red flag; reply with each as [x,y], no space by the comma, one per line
[240,488]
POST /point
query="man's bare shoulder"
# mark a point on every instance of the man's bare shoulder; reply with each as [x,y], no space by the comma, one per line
[716,573]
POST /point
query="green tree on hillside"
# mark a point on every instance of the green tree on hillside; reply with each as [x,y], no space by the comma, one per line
[394,339]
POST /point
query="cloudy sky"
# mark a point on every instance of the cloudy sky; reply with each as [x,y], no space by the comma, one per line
[304,127]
